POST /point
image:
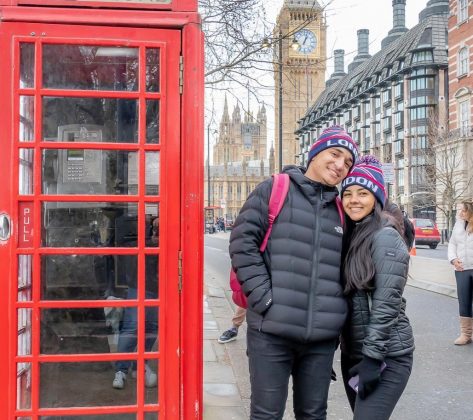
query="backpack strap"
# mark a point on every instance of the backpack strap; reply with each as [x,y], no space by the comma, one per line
[276,201]
[341,213]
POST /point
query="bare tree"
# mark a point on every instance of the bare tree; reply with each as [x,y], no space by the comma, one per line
[235,53]
[449,176]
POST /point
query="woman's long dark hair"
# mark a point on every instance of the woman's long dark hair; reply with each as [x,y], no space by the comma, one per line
[358,267]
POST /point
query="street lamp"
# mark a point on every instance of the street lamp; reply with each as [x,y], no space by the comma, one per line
[208,163]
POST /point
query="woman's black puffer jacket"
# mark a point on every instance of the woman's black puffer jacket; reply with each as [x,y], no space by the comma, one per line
[377,325]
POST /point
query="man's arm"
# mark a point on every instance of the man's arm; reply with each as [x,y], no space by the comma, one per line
[246,237]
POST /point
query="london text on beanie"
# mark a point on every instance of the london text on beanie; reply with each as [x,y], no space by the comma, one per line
[334,136]
[367,173]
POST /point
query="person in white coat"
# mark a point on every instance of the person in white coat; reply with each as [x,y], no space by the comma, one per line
[460,255]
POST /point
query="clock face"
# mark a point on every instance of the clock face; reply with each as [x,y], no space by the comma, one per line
[307,41]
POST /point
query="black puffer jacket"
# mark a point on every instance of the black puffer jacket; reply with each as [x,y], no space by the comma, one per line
[384,329]
[294,289]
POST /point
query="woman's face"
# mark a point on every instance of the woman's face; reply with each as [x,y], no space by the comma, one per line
[358,202]
[464,213]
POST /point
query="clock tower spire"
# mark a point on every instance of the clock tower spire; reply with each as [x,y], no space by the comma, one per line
[303,70]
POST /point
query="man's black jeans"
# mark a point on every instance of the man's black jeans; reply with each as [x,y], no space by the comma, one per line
[272,360]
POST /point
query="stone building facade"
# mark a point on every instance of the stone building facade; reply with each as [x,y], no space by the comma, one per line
[460,83]
[387,103]
[239,160]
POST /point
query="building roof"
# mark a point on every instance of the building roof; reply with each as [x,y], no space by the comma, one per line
[302,4]
[386,65]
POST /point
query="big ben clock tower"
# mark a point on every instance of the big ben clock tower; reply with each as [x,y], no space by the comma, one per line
[303,69]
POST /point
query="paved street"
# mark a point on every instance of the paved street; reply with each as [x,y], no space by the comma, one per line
[439,387]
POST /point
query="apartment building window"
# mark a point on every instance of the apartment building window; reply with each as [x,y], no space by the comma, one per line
[418,113]
[462,10]
[387,124]
[419,142]
[463,61]
[398,90]
[398,147]
[348,116]
[464,117]
[386,96]
[377,105]
[400,174]
[422,56]
[356,112]
[367,113]
[356,136]
[398,118]
[422,83]
[377,134]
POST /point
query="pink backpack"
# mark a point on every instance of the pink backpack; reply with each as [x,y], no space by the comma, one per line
[276,201]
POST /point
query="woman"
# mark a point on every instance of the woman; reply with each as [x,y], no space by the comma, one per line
[377,334]
[460,254]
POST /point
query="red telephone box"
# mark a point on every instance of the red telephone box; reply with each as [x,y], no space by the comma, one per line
[101,209]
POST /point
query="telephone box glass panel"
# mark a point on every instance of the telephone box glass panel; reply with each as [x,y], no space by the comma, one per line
[90,119]
[26,124]
[83,384]
[87,171]
[152,121]
[23,386]
[152,69]
[27,65]
[82,224]
[90,67]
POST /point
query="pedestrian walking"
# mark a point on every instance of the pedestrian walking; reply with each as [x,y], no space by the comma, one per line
[296,306]
[377,334]
[460,255]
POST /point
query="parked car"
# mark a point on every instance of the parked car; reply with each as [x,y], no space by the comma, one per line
[427,232]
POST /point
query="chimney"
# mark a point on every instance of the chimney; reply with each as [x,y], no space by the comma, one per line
[363,49]
[339,71]
[399,13]
[434,7]
[399,23]
[363,41]
[339,58]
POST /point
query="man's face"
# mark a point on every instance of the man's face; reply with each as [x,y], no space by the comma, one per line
[330,166]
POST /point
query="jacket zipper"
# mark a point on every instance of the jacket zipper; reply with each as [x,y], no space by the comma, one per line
[315,266]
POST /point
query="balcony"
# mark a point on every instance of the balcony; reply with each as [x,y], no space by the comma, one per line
[462,132]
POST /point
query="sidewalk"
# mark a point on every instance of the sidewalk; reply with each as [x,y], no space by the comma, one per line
[226,378]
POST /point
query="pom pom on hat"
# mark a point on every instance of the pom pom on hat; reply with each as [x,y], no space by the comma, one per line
[367,173]
[334,136]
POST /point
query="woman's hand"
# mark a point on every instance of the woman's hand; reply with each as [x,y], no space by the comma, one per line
[369,371]
[458,264]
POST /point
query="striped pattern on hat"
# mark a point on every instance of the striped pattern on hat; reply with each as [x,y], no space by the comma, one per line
[334,136]
[367,173]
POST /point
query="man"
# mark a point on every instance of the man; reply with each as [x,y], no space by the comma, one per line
[296,307]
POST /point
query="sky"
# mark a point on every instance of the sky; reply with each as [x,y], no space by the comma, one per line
[343,18]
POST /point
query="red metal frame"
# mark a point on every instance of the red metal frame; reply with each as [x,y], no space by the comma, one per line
[173,5]
[186,386]
[192,221]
